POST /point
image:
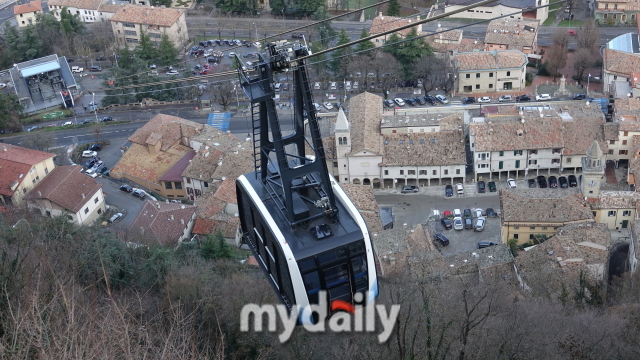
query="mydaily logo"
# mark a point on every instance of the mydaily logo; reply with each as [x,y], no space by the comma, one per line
[356,318]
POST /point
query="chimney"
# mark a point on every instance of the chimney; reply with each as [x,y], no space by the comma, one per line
[4,148]
[182,221]
[182,207]
[83,196]
[171,217]
[39,193]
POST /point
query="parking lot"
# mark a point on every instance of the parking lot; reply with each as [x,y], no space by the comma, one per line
[466,240]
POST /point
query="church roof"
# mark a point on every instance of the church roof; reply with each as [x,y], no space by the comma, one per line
[594,151]
[341,123]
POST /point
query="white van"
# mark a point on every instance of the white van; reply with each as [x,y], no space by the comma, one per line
[347,85]
[278,87]
[333,86]
[355,85]
[316,86]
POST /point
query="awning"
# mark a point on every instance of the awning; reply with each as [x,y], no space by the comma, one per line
[534,56]
[39,69]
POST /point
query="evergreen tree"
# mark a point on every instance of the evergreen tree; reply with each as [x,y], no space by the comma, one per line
[145,49]
[167,52]
[338,64]
[216,247]
[70,24]
[31,43]
[393,8]
[10,110]
[408,51]
[13,41]
[365,45]
[324,29]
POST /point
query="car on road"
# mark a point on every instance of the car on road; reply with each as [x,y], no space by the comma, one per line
[138,193]
[442,99]
[571,32]
[89,154]
[77,69]
[480,222]
[492,186]
[563,182]
[448,191]
[468,223]
[553,182]
[485,244]
[106,118]
[95,147]
[126,188]
[542,182]
[491,213]
[580,96]
[399,101]
[67,123]
[317,106]
[532,183]
[389,103]
[115,218]
[33,128]
[409,189]
[328,106]
[100,58]
[88,121]
[543,97]
[172,72]
[95,69]
[457,223]
[441,239]
[511,183]
[505,98]
[469,100]
[573,181]
[523,98]
[297,35]
[446,223]
[481,187]
[484,99]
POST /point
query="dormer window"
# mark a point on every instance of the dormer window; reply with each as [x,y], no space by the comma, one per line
[519,132]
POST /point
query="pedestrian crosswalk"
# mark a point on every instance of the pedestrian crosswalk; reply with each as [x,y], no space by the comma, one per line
[455,102]
[219,120]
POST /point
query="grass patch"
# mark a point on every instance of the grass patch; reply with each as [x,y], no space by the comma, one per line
[570,23]
[555,6]
[39,116]
[356,4]
[460,20]
[551,18]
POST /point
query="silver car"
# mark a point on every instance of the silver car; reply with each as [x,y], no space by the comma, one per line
[480,222]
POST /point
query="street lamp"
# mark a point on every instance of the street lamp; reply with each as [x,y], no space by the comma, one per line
[284,26]
[256,26]
[588,78]
[95,106]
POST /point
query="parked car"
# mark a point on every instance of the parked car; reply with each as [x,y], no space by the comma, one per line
[420,100]
[409,189]
[95,69]
[553,182]
[430,99]
[399,101]
[491,213]
[33,128]
[138,193]
[492,186]
[92,174]
[106,118]
[67,123]
[563,182]
[542,182]
[297,35]
[480,222]
[446,223]
[469,100]
[389,103]
[571,32]
[478,213]
[115,218]
[457,223]
[523,98]
[485,244]
[466,212]
[87,121]
[505,98]
[481,187]
[543,97]
[442,239]
[468,223]
[172,72]
[580,96]
[126,188]
[100,58]
[532,183]
[89,164]
[460,189]
[442,99]
[448,191]
[484,99]
[328,105]
[573,181]
[77,69]
[317,106]
[410,102]
[89,154]
[511,183]
[446,213]
[457,213]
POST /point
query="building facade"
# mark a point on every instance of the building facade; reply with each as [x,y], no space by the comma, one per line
[494,71]
[130,20]
[616,12]
[501,8]
[383,23]
[22,170]
[512,34]
[87,10]
[616,209]
[25,14]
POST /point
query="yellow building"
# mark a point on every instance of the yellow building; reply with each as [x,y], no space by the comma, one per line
[530,212]
[26,13]
[616,209]
[130,20]
[20,170]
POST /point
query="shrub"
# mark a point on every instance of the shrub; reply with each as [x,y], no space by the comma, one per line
[542,71]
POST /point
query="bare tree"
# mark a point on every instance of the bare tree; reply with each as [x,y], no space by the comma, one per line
[560,37]
[42,141]
[224,93]
[588,36]
[221,25]
[432,71]
[556,59]
[582,60]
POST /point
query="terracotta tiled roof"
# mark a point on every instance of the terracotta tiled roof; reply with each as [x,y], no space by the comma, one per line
[164,221]
[364,117]
[620,62]
[28,7]
[109,8]
[15,163]
[617,200]
[139,162]
[233,164]
[209,205]
[227,224]
[79,4]
[489,60]
[11,173]
[23,155]
[444,34]
[227,191]
[586,125]
[413,149]
[175,172]
[512,32]
[66,186]
[147,15]
[541,205]
[168,129]
[383,23]
[629,108]
[611,131]
[465,45]
[537,133]
[364,200]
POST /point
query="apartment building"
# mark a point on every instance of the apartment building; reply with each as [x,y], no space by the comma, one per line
[25,14]
[512,34]
[616,209]
[383,23]
[87,10]
[523,9]
[490,71]
[623,129]
[130,20]
[22,169]
[616,12]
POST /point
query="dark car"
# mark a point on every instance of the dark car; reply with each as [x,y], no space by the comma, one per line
[481,187]
[430,99]
[491,213]
[469,100]
[138,193]
[580,96]
[532,183]
[88,121]
[297,35]
[448,190]
[410,101]
[89,164]
[102,169]
[409,189]
[484,244]
[468,223]
[446,223]
[106,118]
[100,58]
[126,188]
[542,182]
[204,43]
[95,68]
[95,147]
[442,239]
[573,182]
[563,182]
[389,103]
[492,186]
[523,98]
[466,213]
[553,182]
[420,100]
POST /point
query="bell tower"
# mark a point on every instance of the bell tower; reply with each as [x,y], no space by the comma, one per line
[592,171]
[343,146]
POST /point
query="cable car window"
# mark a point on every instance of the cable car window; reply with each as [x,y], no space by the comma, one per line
[307,264]
[359,268]
[336,275]
[312,284]
[332,255]
[342,292]
[356,247]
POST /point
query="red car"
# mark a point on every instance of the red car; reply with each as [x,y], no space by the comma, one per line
[204,72]
[447,213]
[572,32]
[206,66]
